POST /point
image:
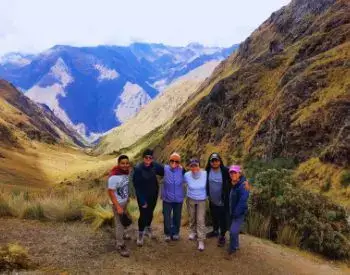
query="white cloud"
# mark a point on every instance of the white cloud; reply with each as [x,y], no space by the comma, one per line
[39,24]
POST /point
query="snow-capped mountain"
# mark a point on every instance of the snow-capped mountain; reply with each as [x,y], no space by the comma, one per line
[94,89]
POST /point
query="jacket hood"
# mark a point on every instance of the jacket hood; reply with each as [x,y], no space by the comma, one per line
[207,168]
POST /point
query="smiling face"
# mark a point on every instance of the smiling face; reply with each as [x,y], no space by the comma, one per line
[174,163]
[194,167]
[234,177]
[124,165]
[215,163]
[147,160]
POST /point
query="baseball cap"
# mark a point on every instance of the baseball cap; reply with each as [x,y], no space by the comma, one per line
[235,168]
[193,161]
[214,156]
[147,152]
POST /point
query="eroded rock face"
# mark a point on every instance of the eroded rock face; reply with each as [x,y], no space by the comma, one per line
[289,96]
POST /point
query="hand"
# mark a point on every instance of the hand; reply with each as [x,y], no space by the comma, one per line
[145,205]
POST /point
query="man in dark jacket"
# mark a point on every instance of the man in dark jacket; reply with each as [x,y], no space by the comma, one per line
[218,188]
[147,188]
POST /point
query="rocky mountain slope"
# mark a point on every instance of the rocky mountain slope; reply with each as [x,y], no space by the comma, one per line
[284,94]
[159,111]
[23,120]
[94,89]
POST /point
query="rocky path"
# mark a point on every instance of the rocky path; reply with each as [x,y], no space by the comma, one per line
[74,248]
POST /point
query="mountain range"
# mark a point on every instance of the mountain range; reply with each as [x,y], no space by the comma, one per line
[94,89]
[284,95]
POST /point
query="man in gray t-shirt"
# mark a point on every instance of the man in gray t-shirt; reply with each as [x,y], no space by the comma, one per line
[118,191]
[215,187]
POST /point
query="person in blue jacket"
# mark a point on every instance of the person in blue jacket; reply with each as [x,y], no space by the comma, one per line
[238,205]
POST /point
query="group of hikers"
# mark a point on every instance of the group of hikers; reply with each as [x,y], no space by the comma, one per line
[226,188]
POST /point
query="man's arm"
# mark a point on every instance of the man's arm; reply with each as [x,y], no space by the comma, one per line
[138,191]
[114,200]
[159,169]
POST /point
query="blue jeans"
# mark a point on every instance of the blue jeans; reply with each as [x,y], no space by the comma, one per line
[172,217]
[234,232]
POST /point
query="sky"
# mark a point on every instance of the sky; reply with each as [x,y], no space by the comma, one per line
[36,25]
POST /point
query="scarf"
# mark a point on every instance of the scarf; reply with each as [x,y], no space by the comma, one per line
[116,171]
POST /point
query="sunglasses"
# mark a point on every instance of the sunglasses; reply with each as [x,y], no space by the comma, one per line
[148,157]
[233,172]
[174,161]
[215,160]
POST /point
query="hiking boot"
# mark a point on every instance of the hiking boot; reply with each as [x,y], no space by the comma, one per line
[201,246]
[139,240]
[149,233]
[230,254]
[127,237]
[192,236]
[176,238]
[123,251]
[221,241]
[212,234]
[167,239]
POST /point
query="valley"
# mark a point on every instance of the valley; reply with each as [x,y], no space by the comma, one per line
[278,104]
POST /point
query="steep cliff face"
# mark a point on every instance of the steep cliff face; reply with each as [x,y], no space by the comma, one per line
[23,120]
[285,93]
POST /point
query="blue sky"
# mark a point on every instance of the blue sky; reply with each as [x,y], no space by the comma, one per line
[36,25]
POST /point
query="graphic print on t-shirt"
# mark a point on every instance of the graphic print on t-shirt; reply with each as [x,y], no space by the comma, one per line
[123,191]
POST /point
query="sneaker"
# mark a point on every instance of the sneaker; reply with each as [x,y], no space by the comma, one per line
[139,240]
[192,236]
[212,234]
[176,238]
[167,239]
[201,246]
[123,251]
[221,241]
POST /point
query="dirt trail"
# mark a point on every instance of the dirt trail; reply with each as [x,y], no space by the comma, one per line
[76,249]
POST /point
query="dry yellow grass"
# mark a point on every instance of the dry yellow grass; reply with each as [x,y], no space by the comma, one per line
[40,165]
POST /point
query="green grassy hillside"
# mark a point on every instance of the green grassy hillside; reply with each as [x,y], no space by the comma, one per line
[284,94]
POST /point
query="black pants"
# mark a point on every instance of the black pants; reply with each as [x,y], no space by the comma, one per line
[146,214]
[219,218]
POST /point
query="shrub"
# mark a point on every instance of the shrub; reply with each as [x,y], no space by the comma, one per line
[61,209]
[256,166]
[289,236]
[257,225]
[4,207]
[98,215]
[345,179]
[13,256]
[327,185]
[34,211]
[321,224]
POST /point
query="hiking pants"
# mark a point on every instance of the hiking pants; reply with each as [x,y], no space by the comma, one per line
[196,212]
[234,232]
[120,230]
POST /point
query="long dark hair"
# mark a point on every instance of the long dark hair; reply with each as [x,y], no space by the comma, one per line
[207,168]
